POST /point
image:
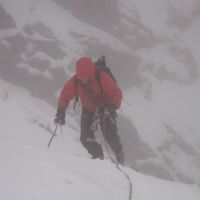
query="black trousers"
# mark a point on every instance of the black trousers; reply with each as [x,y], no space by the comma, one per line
[87,137]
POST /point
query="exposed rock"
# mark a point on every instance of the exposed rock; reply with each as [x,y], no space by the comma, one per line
[6,20]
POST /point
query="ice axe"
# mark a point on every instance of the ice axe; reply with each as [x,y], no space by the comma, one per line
[54,133]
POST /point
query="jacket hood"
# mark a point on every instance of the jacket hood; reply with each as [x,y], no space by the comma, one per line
[85,68]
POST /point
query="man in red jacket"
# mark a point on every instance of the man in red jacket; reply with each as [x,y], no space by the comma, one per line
[95,96]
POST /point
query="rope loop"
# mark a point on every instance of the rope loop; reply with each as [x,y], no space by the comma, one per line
[103,125]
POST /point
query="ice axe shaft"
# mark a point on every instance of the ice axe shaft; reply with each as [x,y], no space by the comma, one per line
[54,133]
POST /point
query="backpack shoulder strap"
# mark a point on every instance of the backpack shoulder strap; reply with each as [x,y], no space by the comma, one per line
[76,81]
[98,78]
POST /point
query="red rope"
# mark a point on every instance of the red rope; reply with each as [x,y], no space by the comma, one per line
[114,161]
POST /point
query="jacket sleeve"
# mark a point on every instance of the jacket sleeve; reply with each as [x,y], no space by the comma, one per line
[67,93]
[111,90]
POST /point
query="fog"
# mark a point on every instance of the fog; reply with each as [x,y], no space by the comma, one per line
[152,48]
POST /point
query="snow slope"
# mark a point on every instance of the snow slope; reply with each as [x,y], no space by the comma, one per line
[29,170]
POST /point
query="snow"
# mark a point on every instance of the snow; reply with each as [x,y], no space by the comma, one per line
[164,119]
[30,170]
[170,102]
[28,12]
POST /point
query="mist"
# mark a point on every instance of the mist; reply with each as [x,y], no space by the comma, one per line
[152,48]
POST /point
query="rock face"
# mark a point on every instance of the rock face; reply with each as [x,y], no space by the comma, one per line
[101,14]
[6,21]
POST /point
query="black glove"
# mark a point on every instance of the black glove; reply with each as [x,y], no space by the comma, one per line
[60,116]
[111,109]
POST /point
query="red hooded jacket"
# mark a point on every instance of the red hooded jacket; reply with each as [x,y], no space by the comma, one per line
[92,95]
